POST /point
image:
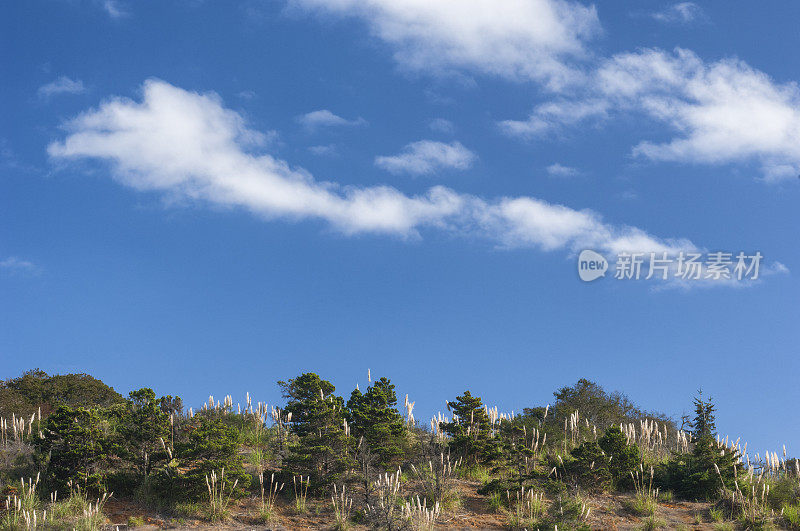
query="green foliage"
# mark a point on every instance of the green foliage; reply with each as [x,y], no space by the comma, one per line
[606,463]
[74,448]
[35,389]
[791,516]
[623,458]
[642,505]
[470,430]
[374,417]
[211,446]
[143,429]
[589,467]
[598,406]
[320,450]
[704,472]
[513,453]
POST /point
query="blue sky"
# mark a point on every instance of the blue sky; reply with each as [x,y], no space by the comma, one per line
[206,197]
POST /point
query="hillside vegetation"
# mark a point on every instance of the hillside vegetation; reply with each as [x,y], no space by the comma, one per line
[75,454]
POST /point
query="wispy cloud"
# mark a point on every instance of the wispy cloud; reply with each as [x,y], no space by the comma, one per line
[426,157]
[13,264]
[680,13]
[559,170]
[554,115]
[62,85]
[188,145]
[324,150]
[440,125]
[325,118]
[114,9]
[518,39]
[721,112]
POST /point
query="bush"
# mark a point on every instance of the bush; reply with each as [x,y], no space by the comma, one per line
[211,446]
[74,449]
[36,389]
[704,472]
[605,464]
[590,467]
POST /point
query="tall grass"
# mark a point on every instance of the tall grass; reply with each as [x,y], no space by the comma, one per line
[219,498]
[645,500]
[342,506]
[269,493]
[301,493]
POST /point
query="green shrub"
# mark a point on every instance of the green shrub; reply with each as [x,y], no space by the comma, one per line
[470,431]
[136,521]
[590,467]
[211,446]
[605,464]
[791,516]
[702,473]
[641,505]
[320,448]
[74,448]
[374,417]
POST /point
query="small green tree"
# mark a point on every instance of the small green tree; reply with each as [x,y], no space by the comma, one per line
[73,449]
[590,467]
[373,416]
[606,463]
[317,420]
[623,458]
[211,445]
[470,431]
[514,451]
[709,467]
[144,431]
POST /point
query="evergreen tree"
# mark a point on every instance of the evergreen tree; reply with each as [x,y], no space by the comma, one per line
[514,450]
[73,449]
[211,446]
[320,450]
[374,417]
[623,458]
[704,472]
[144,431]
[470,431]
[605,463]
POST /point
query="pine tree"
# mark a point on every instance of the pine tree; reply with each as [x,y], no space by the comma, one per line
[74,449]
[710,467]
[374,417]
[211,446]
[321,448]
[144,431]
[470,431]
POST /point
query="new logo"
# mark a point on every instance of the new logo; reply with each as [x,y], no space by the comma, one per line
[591,265]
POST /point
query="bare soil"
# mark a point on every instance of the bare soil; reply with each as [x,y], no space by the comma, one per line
[474,512]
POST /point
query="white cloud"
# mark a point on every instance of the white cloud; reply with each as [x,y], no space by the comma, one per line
[18,265]
[559,170]
[554,115]
[326,150]
[722,112]
[440,125]
[325,118]
[189,146]
[62,85]
[518,39]
[114,9]
[425,157]
[680,13]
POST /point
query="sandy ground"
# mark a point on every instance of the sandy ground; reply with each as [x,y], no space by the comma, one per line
[607,512]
